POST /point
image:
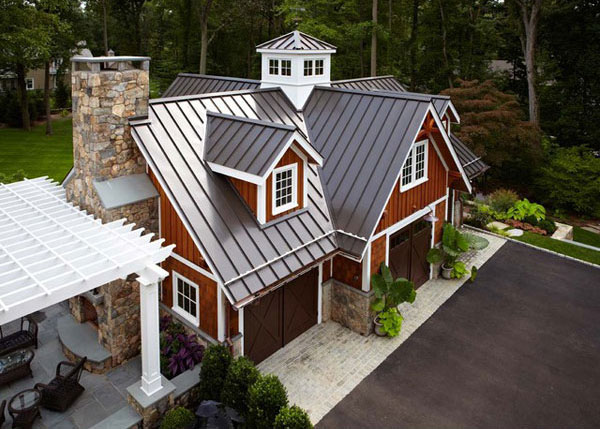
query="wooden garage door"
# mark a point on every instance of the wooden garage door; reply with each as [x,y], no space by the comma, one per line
[280,316]
[408,252]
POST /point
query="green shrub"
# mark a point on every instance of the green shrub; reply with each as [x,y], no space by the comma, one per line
[215,365]
[502,199]
[479,217]
[524,208]
[292,417]
[17,176]
[178,418]
[570,181]
[241,375]
[547,225]
[266,398]
[531,220]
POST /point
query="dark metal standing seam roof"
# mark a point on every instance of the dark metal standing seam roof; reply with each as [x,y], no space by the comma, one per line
[191,84]
[296,40]
[364,138]
[381,83]
[472,164]
[245,144]
[245,256]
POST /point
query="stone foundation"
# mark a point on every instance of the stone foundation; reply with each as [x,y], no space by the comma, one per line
[326,302]
[351,307]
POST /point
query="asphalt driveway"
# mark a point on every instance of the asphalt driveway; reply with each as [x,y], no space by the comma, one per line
[519,347]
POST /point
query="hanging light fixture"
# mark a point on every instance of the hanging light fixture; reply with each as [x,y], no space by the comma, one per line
[431,217]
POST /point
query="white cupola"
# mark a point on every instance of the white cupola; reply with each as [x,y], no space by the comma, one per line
[296,62]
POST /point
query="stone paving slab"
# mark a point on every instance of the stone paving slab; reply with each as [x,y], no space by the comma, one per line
[321,366]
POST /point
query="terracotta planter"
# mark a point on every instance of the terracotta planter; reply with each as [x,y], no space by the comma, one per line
[446,272]
[377,327]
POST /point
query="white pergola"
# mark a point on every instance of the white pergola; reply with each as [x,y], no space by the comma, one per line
[51,251]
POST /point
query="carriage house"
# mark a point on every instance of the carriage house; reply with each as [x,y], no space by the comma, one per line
[283,195]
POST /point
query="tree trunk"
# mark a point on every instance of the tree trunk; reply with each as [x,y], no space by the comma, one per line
[22,90]
[413,45]
[204,14]
[47,98]
[374,41]
[449,72]
[530,15]
[105,27]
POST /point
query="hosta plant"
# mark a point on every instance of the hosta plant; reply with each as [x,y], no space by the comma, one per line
[454,243]
[524,208]
[391,321]
[389,294]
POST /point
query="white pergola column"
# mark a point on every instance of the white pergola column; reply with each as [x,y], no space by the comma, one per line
[149,319]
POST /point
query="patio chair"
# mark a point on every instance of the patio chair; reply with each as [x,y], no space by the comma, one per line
[21,339]
[2,407]
[64,389]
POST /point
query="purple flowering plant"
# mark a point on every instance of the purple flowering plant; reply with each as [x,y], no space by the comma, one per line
[179,352]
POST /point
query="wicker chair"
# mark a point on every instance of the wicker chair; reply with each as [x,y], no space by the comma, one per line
[2,407]
[64,389]
[21,339]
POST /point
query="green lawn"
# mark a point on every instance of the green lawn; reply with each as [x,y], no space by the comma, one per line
[35,153]
[558,246]
[586,237]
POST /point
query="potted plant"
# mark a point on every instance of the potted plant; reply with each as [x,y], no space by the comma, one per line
[453,245]
[389,294]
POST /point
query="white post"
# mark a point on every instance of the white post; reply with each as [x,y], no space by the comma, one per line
[151,377]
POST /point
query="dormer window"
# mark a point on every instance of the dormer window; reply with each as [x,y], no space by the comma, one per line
[414,171]
[286,185]
[308,67]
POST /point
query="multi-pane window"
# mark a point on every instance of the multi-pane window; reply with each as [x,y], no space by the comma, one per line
[185,298]
[414,170]
[273,66]
[308,67]
[284,188]
[318,67]
[286,67]
[29,83]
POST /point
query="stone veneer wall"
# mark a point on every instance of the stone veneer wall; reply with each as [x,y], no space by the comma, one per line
[103,102]
[351,307]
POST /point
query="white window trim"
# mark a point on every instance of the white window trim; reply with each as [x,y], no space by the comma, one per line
[281,67]
[314,66]
[269,66]
[294,203]
[413,182]
[180,311]
[27,84]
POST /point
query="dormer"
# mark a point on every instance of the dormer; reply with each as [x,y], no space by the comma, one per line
[266,162]
[296,62]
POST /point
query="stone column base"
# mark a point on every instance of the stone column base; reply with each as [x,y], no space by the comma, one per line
[152,407]
[351,307]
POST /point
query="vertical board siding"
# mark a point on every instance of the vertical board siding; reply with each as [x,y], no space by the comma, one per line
[233,325]
[403,204]
[440,213]
[207,294]
[289,157]
[378,253]
[249,192]
[173,230]
[347,271]
[326,270]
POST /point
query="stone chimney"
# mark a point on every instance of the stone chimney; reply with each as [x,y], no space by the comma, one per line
[109,180]
[106,93]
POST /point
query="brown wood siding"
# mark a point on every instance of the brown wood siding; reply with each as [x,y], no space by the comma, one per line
[377,253]
[248,191]
[440,212]
[403,204]
[326,270]
[233,325]
[347,271]
[207,294]
[289,157]
[173,230]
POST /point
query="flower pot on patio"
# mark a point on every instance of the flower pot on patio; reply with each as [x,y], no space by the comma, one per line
[378,327]
[446,272]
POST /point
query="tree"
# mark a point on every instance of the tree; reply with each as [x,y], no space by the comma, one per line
[529,12]
[25,43]
[374,41]
[492,125]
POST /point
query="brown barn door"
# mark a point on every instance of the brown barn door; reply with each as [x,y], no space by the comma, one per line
[300,305]
[408,251]
[263,333]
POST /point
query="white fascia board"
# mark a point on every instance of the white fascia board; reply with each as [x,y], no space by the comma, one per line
[304,144]
[444,134]
[237,174]
[296,51]
[454,112]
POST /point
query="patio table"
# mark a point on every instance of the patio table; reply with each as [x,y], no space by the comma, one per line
[24,408]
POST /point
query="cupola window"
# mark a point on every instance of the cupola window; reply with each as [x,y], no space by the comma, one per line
[308,67]
[319,67]
[286,67]
[273,67]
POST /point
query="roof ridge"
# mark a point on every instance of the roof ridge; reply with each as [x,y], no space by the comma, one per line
[379,93]
[211,94]
[251,120]
[356,79]
[212,76]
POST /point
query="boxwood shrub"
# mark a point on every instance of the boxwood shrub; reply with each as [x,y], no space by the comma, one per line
[266,398]
[215,365]
[241,375]
[292,417]
[178,418]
